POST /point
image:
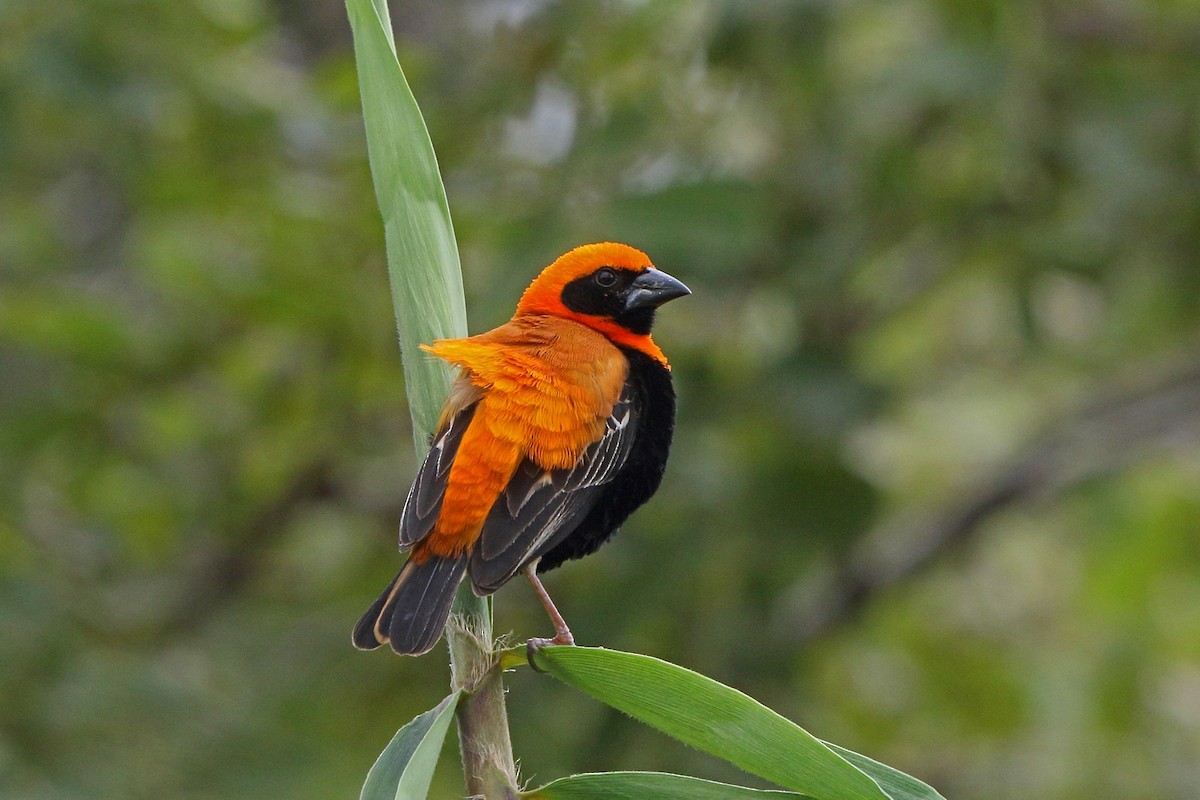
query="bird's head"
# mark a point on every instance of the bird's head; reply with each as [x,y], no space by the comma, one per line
[610,287]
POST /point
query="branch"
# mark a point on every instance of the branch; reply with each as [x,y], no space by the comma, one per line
[483,737]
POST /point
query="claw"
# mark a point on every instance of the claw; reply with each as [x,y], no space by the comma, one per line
[535,644]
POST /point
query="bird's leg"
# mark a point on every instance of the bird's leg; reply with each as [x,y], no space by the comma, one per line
[562,634]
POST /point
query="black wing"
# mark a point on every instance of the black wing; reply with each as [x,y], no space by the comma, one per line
[540,507]
[642,473]
[424,501]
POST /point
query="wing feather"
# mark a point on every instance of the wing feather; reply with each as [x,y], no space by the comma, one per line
[539,507]
[424,501]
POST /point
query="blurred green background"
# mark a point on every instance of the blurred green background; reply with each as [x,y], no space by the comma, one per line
[935,492]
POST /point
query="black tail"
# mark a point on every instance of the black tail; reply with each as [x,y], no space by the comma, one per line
[412,611]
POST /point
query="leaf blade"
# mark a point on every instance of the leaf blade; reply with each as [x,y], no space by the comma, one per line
[711,717]
[898,785]
[648,786]
[422,253]
[405,767]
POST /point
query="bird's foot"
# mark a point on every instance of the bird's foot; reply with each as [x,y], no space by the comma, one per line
[533,645]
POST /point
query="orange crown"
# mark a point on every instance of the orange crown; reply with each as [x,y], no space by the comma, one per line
[544,295]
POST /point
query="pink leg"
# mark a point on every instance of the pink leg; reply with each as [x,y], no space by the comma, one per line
[562,634]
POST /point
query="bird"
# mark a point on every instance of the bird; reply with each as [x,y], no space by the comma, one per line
[556,428]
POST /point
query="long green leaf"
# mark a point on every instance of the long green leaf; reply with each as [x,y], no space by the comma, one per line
[648,786]
[717,719]
[898,785]
[422,254]
[423,270]
[405,767]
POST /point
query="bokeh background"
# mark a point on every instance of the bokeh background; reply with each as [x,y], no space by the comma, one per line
[936,486]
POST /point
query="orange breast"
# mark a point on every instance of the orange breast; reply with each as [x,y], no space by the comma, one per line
[547,386]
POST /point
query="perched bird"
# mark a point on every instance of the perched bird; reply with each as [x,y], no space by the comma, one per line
[557,427]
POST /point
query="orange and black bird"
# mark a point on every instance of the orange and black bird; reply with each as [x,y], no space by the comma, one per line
[557,428]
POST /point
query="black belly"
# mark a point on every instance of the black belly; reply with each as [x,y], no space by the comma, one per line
[638,480]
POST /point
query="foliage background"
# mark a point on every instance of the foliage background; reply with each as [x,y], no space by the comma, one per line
[935,493]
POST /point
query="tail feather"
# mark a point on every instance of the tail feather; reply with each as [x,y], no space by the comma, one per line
[412,611]
[364,631]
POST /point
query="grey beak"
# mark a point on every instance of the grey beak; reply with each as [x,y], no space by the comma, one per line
[653,288]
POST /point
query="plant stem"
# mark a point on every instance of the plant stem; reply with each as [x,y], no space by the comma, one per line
[483,737]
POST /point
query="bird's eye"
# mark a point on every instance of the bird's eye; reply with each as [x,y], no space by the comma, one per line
[606,277]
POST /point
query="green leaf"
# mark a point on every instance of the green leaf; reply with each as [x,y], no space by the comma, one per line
[898,785]
[647,786]
[422,254]
[721,721]
[405,767]
[513,657]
